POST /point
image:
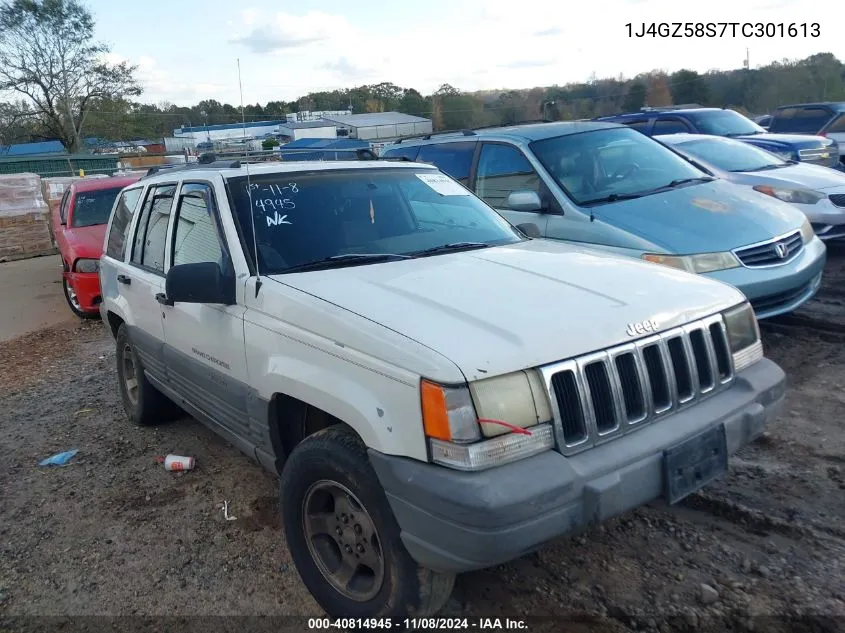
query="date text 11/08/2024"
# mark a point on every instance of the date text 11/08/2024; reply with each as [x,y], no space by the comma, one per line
[418,624]
[723,29]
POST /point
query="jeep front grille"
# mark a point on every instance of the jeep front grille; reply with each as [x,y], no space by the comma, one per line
[600,396]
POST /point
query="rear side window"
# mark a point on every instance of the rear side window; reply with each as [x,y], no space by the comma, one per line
[151,236]
[454,159]
[809,120]
[93,207]
[669,126]
[402,152]
[639,126]
[123,213]
[837,125]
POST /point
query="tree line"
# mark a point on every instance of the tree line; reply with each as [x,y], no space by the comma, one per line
[78,97]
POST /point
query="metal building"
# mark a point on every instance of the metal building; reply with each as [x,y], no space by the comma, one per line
[380,126]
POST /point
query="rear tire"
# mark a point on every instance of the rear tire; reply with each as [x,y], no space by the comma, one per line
[144,404]
[328,482]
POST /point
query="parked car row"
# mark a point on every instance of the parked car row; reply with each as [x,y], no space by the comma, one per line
[819,119]
[609,187]
[814,149]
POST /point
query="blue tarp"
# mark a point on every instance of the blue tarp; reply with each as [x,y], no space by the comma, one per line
[31,149]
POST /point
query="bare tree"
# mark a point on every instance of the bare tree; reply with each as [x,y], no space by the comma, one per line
[48,54]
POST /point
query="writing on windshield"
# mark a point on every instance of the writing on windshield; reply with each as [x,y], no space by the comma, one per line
[328,218]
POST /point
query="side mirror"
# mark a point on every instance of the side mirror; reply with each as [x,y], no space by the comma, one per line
[529,229]
[524,201]
[198,283]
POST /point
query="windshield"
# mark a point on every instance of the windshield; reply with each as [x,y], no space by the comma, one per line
[611,163]
[302,218]
[732,155]
[724,123]
[93,207]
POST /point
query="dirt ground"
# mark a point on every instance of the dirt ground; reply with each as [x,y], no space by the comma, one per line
[32,296]
[113,533]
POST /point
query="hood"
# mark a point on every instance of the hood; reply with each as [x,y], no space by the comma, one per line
[508,308]
[801,175]
[86,241]
[797,141]
[703,218]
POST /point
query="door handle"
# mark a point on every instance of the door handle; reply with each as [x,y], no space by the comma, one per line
[163,300]
[124,279]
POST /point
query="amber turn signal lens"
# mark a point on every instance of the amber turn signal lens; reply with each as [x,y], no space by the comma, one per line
[434,412]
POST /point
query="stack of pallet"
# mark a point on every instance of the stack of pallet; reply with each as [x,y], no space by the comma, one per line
[24,220]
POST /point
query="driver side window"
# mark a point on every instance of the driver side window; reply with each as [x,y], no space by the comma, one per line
[503,169]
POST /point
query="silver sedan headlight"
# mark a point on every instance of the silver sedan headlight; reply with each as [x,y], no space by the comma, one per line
[789,194]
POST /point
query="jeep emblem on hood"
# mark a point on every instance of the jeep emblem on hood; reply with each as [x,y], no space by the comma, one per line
[649,325]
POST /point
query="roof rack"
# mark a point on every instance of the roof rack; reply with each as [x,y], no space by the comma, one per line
[209,161]
[471,132]
[428,135]
[680,106]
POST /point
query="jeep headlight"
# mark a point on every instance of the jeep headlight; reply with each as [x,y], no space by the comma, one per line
[487,423]
[699,263]
[743,336]
[86,266]
[807,232]
[788,194]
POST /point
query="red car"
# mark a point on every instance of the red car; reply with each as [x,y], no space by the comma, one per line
[80,229]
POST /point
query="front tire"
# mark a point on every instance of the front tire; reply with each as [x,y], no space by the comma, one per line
[73,301]
[343,537]
[144,404]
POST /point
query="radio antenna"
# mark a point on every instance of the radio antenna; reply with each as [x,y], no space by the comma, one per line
[249,185]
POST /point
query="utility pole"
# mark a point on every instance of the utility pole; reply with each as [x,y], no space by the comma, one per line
[747,82]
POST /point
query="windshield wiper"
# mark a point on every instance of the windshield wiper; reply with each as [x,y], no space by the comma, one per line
[764,168]
[613,197]
[735,134]
[683,181]
[448,248]
[350,259]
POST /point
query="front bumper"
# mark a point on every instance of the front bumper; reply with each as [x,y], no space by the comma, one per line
[777,290]
[827,219]
[454,521]
[87,289]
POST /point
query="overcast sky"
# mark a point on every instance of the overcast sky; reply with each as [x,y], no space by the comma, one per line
[186,50]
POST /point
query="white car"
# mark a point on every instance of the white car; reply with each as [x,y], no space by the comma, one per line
[437,391]
[819,192]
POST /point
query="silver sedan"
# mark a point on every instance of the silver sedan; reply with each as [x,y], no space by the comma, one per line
[819,192]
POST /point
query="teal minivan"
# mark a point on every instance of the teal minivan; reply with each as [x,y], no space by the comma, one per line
[609,187]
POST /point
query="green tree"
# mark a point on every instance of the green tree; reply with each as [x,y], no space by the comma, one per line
[635,99]
[412,102]
[48,55]
[688,86]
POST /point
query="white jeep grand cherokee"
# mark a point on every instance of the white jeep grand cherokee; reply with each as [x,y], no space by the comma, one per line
[437,391]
